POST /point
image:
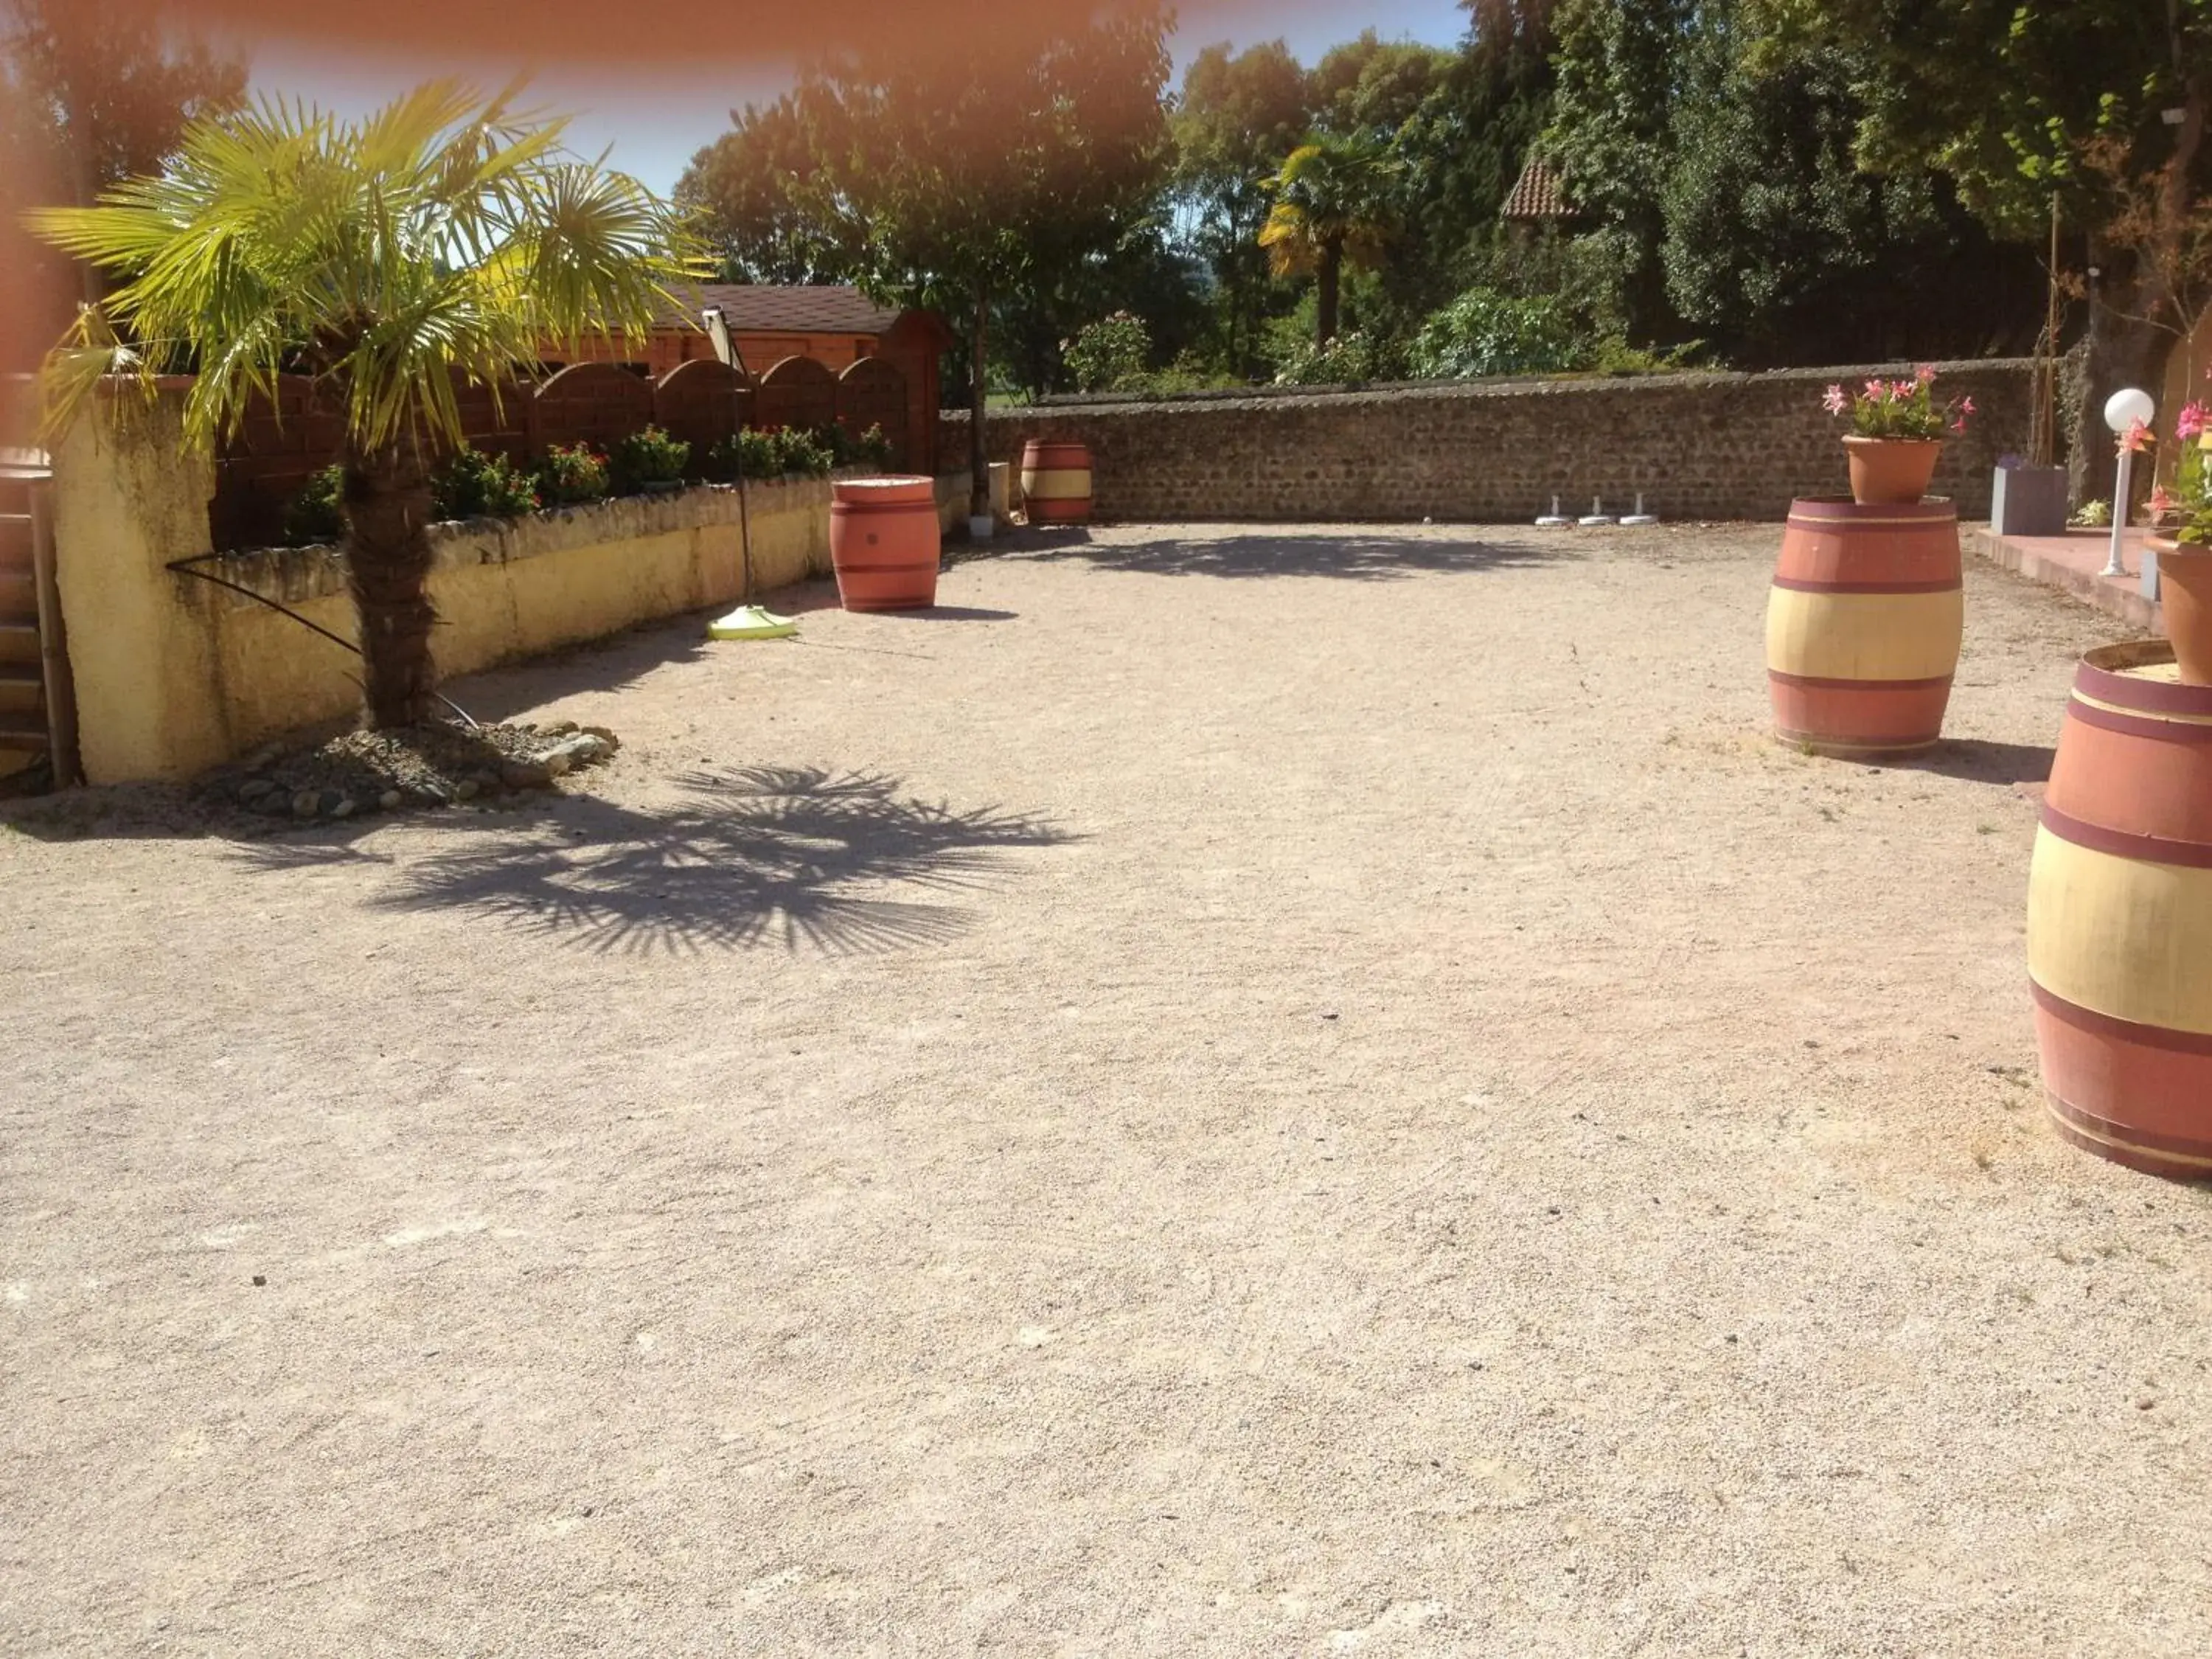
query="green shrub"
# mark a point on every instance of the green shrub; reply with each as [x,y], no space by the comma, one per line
[317,513]
[1349,357]
[1108,354]
[572,473]
[475,485]
[869,448]
[1485,332]
[649,457]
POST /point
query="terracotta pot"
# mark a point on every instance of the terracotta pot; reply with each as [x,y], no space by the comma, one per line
[2185,588]
[883,543]
[1862,626]
[1888,471]
[2119,916]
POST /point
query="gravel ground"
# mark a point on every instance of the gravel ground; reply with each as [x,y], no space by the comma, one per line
[1231,1093]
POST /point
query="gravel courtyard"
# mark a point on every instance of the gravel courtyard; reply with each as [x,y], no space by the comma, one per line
[1233,1090]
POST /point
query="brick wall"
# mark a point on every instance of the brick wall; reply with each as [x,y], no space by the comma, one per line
[1699,445]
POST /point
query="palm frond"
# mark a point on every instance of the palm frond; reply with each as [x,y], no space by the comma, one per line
[443,234]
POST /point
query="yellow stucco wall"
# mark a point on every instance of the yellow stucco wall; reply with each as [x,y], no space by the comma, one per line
[174,675]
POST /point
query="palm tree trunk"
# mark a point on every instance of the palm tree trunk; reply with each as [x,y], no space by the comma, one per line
[1328,271]
[979,466]
[387,497]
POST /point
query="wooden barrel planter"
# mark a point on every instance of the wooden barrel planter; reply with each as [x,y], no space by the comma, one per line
[1056,482]
[883,543]
[1862,626]
[2119,916]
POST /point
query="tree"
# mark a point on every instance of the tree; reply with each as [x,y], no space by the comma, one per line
[761,229]
[959,183]
[1332,203]
[91,92]
[2018,103]
[442,240]
[1237,119]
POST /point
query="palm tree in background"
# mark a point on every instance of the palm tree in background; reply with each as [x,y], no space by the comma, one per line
[1333,201]
[443,242]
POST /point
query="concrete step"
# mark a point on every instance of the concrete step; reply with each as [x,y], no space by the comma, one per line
[22,734]
[19,643]
[19,597]
[23,690]
[15,541]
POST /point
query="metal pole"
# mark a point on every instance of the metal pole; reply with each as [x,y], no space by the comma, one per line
[2112,565]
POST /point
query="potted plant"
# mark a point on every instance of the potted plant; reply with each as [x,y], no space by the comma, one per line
[1897,431]
[2181,526]
[650,462]
[572,474]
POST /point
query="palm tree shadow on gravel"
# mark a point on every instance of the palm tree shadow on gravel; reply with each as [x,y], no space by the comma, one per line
[748,857]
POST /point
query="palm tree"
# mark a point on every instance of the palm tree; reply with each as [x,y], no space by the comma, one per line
[1332,202]
[443,240]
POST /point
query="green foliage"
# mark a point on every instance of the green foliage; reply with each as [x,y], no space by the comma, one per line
[1108,354]
[786,452]
[476,485]
[2191,500]
[571,474]
[317,513]
[1344,359]
[648,457]
[1485,332]
[869,448]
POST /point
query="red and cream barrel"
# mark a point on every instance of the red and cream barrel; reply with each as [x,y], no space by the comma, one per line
[2119,916]
[1864,624]
[1056,482]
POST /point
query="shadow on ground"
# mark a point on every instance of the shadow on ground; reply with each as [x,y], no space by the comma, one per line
[1974,761]
[759,856]
[1347,556]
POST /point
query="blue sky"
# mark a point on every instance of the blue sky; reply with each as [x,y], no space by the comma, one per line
[653,120]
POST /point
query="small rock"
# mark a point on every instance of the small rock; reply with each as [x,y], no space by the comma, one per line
[254,788]
[390,800]
[465,789]
[555,764]
[557,728]
[328,802]
[432,794]
[261,1279]
[582,749]
[604,736]
[263,756]
[525,775]
[344,809]
[304,803]
[276,803]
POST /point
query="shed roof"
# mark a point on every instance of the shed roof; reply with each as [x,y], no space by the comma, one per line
[822,308]
[1538,193]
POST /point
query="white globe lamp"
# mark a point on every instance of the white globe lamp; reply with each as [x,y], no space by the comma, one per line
[2122,410]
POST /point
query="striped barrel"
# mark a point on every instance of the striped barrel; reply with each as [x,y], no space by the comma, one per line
[1862,626]
[1056,481]
[883,543]
[2119,916]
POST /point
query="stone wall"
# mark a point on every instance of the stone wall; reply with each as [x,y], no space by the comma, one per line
[1698,446]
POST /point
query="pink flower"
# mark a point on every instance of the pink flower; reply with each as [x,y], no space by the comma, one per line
[1965,407]
[1900,390]
[2160,502]
[1837,401]
[1875,390]
[2192,421]
[2137,437]
[1924,373]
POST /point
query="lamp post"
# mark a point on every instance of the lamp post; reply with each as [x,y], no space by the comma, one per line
[718,331]
[2124,408]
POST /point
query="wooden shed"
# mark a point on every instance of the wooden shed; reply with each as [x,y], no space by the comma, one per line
[832,326]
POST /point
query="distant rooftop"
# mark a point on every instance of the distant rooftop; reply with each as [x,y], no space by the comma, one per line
[818,309]
[1537,194]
